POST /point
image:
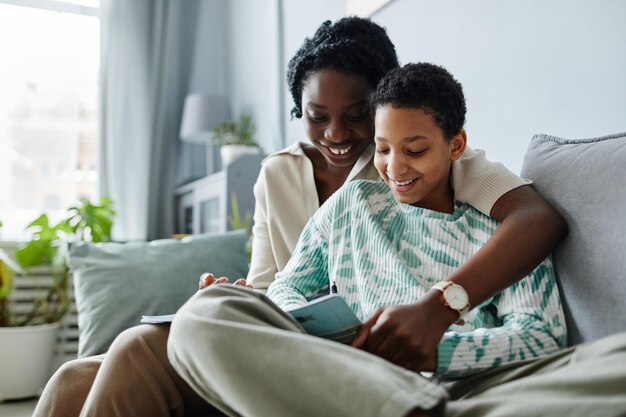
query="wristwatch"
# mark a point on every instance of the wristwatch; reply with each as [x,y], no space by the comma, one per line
[455,297]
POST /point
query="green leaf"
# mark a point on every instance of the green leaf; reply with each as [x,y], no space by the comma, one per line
[41,221]
[6,280]
[84,221]
[65,227]
[36,252]
[235,132]
[235,220]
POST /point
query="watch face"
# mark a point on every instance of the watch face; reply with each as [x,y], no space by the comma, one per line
[456,297]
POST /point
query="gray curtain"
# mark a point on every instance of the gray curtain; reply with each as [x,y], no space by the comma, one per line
[147,48]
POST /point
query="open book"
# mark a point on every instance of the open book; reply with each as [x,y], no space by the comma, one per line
[329,317]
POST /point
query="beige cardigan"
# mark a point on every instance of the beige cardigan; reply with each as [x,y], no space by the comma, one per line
[286,197]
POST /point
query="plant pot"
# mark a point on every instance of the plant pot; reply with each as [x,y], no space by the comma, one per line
[25,359]
[229,153]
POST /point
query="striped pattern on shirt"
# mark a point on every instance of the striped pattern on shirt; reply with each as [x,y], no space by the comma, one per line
[381,252]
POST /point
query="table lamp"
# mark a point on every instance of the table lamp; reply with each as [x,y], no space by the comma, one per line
[201,114]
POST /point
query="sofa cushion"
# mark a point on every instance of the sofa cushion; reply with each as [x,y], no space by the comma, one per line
[585,180]
[116,283]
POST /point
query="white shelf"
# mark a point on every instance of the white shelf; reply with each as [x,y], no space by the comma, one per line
[204,205]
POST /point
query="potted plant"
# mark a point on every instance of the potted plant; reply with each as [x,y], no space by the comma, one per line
[235,138]
[27,339]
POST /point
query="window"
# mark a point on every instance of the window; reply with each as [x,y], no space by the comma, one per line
[49,68]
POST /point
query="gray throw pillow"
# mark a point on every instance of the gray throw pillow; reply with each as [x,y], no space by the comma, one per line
[585,180]
[116,283]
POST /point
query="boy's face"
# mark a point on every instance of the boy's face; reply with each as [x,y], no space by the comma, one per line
[414,158]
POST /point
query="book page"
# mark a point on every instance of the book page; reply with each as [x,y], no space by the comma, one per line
[329,317]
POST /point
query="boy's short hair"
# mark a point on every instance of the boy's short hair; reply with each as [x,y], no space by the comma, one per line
[428,87]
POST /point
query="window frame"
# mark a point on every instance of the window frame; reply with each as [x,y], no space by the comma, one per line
[56,6]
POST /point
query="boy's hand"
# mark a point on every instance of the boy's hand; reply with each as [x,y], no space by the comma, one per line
[208,278]
[407,335]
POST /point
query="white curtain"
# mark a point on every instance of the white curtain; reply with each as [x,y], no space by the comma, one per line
[147,48]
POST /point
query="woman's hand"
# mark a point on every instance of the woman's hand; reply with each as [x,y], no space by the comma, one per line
[208,278]
[407,335]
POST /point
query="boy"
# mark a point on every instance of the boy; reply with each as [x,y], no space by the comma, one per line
[385,245]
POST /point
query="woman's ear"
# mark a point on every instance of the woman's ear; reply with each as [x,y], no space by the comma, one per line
[458,144]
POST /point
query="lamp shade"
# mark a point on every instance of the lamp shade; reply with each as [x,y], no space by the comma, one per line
[201,114]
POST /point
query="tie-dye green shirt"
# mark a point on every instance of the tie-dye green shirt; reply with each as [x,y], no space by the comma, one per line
[381,252]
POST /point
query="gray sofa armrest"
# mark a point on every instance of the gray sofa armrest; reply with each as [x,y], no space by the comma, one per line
[585,180]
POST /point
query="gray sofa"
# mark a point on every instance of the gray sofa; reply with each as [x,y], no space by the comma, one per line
[585,180]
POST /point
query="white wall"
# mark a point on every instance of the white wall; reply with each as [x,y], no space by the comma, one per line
[253,65]
[527,66]
[258,61]
[301,19]
[236,54]
[208,74]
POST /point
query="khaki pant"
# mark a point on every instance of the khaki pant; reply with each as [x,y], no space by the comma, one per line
[248,358]
[133,379]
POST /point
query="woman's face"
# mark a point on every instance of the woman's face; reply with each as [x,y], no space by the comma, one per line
[336,115]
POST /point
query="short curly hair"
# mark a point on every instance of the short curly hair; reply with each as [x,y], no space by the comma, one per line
[428,87]
[353,45]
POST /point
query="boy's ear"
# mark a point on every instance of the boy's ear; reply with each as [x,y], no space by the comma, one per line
[458,144]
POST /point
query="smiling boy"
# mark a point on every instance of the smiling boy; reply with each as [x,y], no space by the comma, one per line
[385,245]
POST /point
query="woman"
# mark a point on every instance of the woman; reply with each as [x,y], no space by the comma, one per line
[330,78]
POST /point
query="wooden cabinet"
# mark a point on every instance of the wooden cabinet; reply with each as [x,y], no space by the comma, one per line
[203,206]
